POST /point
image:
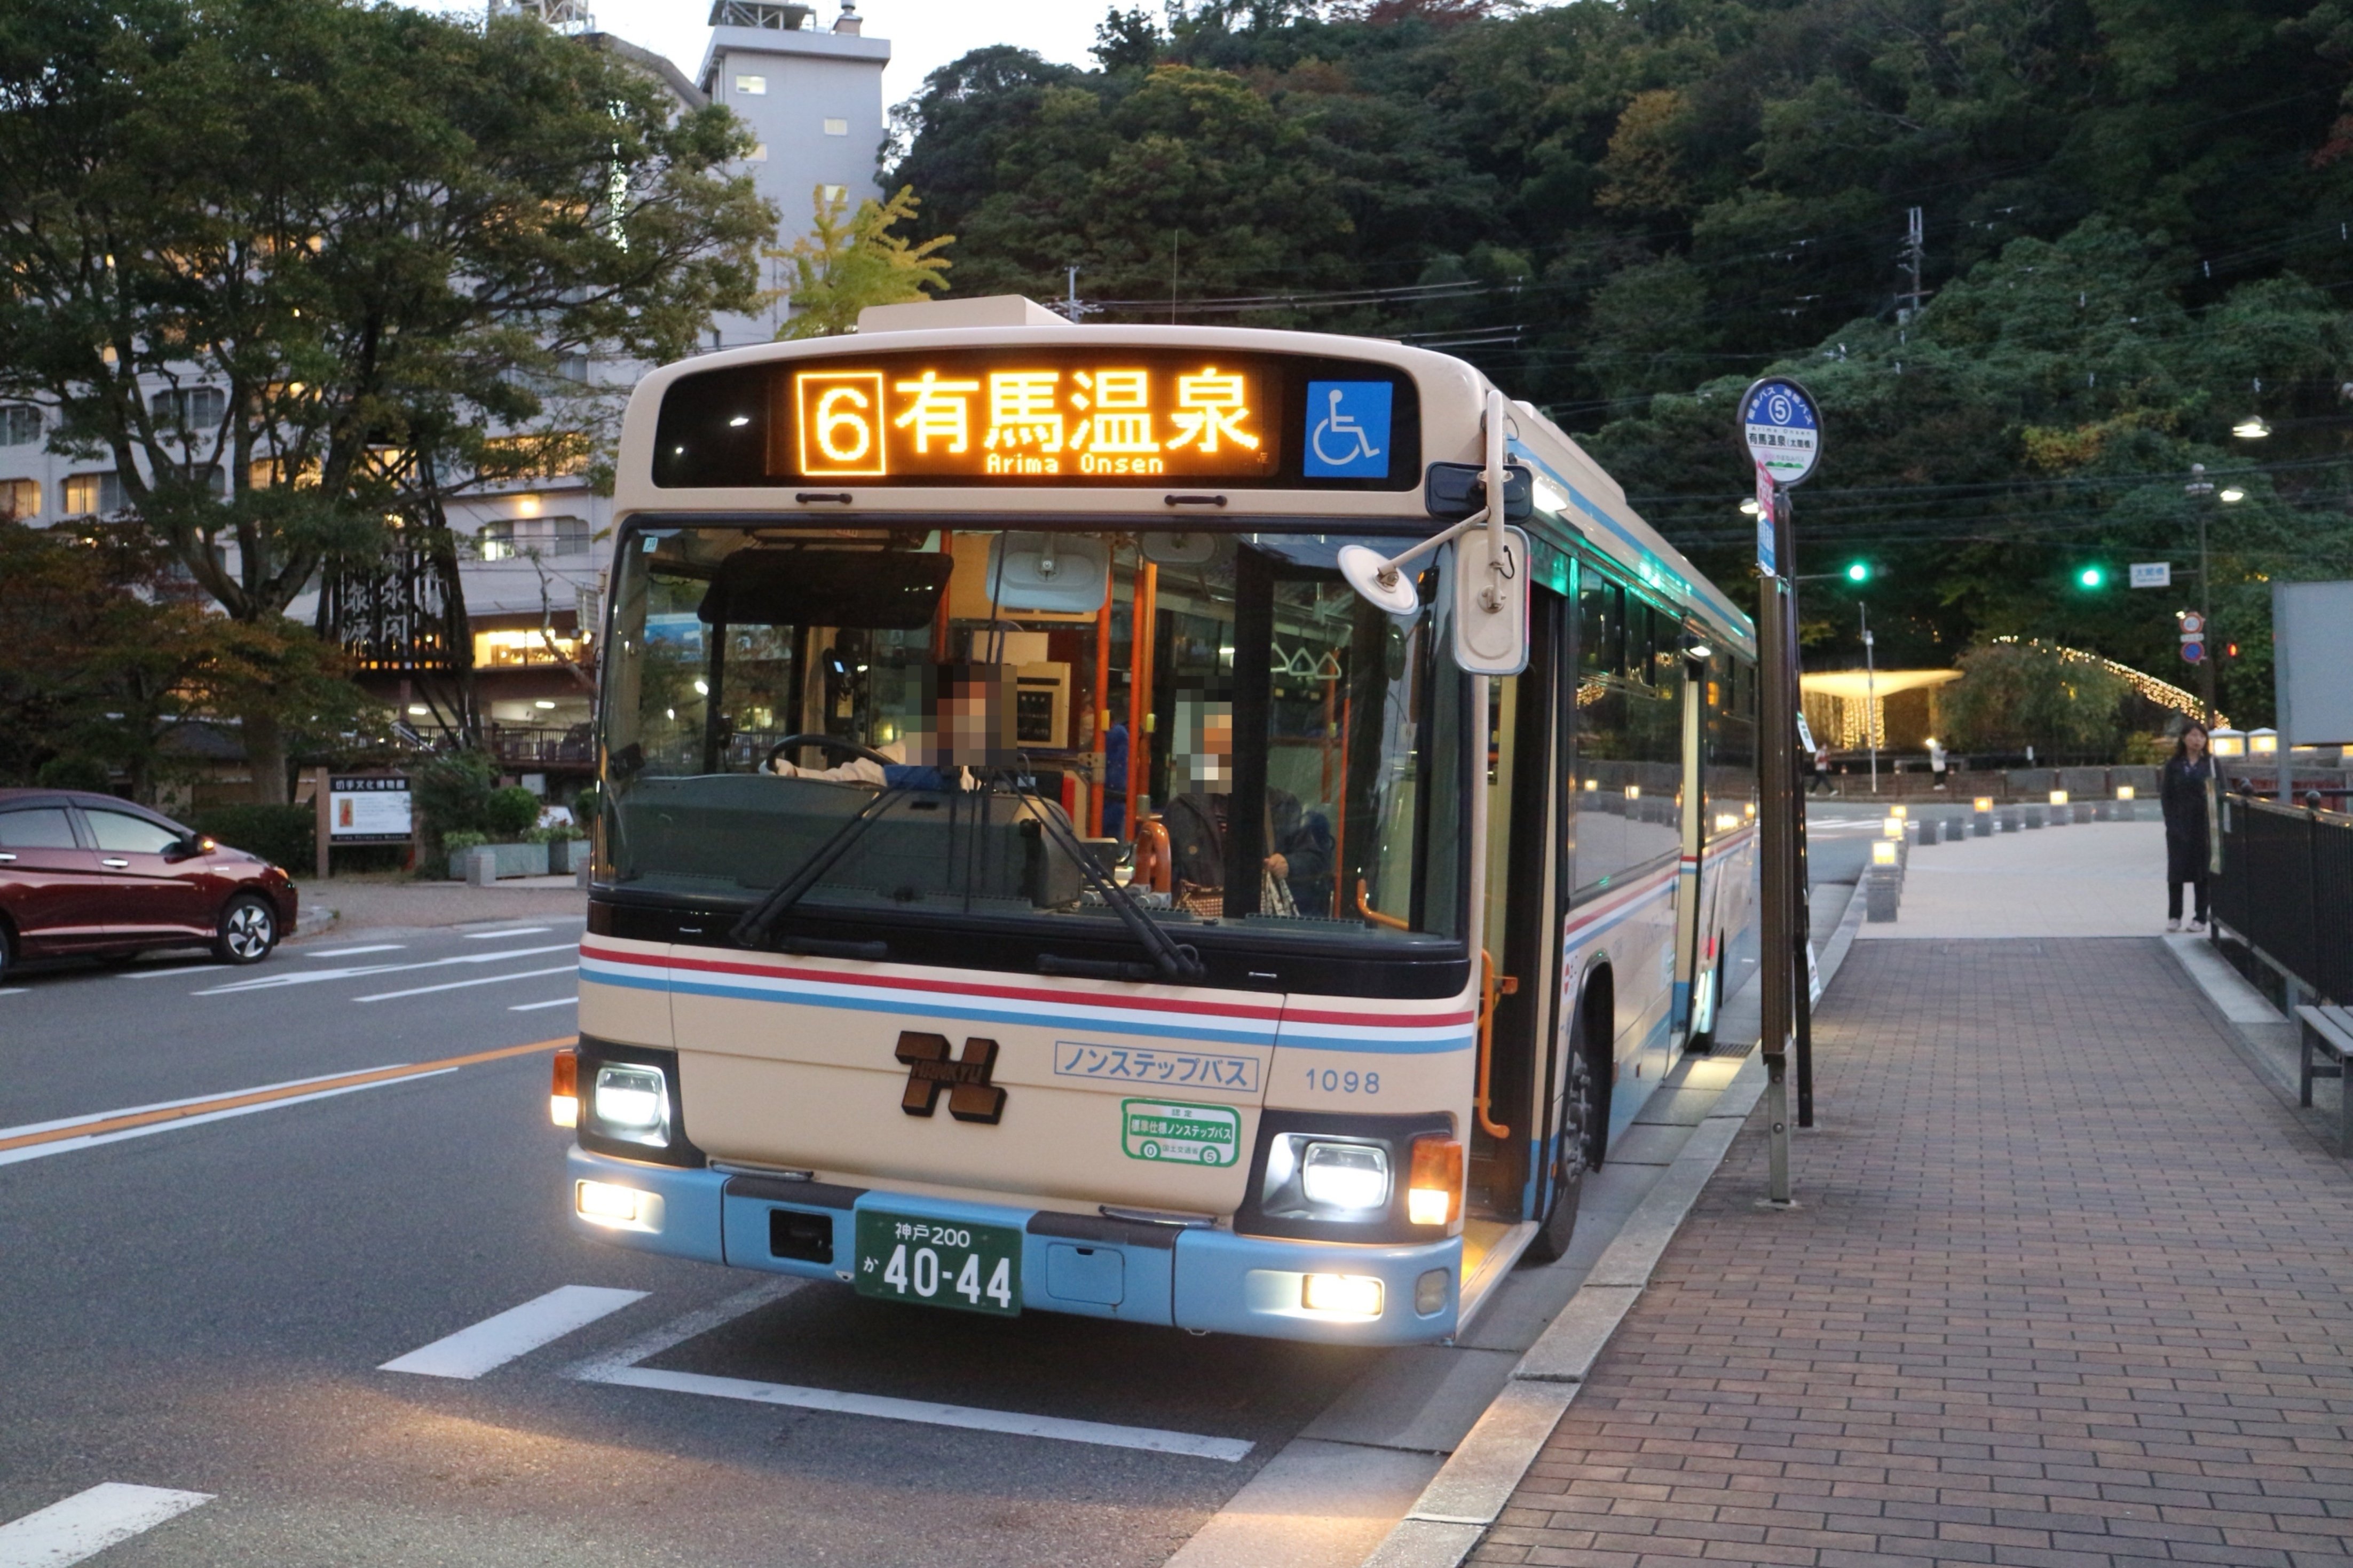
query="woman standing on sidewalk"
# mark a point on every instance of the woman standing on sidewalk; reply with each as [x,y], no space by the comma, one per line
[2186,774]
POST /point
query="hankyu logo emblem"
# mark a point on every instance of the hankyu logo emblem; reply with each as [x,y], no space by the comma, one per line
[971,1097]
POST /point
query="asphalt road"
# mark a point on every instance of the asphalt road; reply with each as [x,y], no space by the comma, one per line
[230,1197]
[202,1305]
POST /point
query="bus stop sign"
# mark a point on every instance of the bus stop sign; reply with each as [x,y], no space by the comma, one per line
[1782,429]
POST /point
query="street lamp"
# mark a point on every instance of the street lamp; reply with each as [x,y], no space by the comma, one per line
[2232,495]
[2250,428]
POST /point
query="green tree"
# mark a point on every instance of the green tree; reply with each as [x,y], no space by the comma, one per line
[845,264]
[354,245]
[2012,695]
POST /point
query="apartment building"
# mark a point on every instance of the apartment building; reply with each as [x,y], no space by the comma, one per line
[532,575]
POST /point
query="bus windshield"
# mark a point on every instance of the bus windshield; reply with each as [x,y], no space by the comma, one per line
[941,724]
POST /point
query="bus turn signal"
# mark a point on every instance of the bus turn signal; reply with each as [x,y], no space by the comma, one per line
[563,1094]
[1434,1190]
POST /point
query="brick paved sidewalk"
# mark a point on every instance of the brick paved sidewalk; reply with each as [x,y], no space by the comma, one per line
[2069,1286]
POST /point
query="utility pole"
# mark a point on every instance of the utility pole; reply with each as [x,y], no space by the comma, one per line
[1915,252]
[2200,490]
[1070,306]
[1870,696]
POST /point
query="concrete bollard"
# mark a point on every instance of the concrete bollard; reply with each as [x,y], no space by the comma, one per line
[2103,810]
[2127,811]
[1954,830]
[580,876]
[2084,812]
[482,867]
[1982,824]
[1881,894]
[2010,820]
[2033,816]
[1926,830]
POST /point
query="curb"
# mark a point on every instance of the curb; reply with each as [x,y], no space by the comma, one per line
[2264,1038]
[1472,1489]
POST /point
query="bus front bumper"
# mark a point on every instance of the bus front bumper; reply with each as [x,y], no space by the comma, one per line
[1189,1278]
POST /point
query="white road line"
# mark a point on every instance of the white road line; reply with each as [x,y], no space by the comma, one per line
[535,1006]
[518,1331]
[315,976]
[8,1132]
[685,1327]
[68,1145]
[163,972]
[511,930]
[88,1522]
[923,1412]
[16,991]
[461,984]
[354,951]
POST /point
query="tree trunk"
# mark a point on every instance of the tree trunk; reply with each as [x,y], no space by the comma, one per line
[265,750]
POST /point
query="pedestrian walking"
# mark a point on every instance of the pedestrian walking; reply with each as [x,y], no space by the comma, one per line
[1937,763]
[2188,825]
[1819,780]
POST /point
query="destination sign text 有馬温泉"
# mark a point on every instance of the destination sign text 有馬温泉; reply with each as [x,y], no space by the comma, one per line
[1024,417]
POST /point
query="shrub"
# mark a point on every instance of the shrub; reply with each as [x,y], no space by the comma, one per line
[586,803]
[283,835]
[511,813]
[2015,694]
[453,794]
[463,839]
[75,772]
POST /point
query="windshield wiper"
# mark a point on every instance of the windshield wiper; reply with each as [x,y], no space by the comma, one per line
[1171,959]
[754,929]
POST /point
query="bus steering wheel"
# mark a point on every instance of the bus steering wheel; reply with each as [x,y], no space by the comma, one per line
[831,743]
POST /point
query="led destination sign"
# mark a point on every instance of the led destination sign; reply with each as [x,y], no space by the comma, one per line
[1024,418]
[1056,417]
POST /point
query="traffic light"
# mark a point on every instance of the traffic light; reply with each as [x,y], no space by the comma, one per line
[1858,571]
[2091,578]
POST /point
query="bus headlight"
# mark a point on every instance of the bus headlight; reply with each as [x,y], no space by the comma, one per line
[1342,1295]
[1351,1177]
[630,1104]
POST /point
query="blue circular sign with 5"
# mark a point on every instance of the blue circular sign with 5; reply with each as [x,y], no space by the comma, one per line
[1782,429]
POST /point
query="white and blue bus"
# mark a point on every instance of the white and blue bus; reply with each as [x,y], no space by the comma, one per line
[1032,878]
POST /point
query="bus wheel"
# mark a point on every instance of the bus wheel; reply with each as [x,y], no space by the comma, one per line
[1552,1237]
[1705,1040]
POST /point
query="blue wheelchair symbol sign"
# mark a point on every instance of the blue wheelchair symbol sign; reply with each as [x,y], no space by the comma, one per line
[1347,430]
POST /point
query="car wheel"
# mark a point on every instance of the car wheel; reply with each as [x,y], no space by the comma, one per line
[248,930]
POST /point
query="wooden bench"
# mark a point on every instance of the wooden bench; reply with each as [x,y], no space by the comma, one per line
[2327,1032]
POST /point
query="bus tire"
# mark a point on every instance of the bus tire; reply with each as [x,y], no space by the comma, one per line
[1551,1240]
[1705,1040]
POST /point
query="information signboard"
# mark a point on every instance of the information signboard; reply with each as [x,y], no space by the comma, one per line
[370,809]
[1782,429]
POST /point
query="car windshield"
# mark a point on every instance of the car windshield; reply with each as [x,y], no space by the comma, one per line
[943,723]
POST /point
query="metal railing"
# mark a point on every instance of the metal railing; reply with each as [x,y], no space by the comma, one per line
[542,744]
[2286,890]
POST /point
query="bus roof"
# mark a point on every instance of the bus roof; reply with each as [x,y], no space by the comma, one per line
[1574,496]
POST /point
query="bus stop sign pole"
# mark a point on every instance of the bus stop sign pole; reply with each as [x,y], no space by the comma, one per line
[1781,434]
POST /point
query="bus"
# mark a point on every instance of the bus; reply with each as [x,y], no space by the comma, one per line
[1069,842]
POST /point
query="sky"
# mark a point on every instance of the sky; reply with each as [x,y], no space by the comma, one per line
[925,35]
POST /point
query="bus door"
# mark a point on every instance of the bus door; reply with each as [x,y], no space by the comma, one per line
[1520,965]
[1690,955]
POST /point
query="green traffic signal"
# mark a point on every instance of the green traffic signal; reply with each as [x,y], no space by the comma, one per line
[2091,577]
[1858,572]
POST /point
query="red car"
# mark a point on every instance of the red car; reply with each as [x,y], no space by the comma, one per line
[88,874]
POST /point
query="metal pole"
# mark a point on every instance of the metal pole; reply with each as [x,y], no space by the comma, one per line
[1801,999]
[1870,696]
[2206,617]
[1777,845]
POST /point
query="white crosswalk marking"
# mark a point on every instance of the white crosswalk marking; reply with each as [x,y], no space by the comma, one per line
[88,1522]
[352,952]
[494,1341]
[535,1006]
[509,931]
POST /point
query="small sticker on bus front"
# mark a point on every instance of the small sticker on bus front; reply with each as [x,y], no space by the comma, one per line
[1184,1135]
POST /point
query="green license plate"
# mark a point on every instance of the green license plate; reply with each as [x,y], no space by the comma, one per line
[939,1262]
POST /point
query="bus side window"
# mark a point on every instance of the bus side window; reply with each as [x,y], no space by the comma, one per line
[1601,629]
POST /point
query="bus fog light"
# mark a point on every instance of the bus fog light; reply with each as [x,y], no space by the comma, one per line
[1344,1175]
[630,1104]
[1434,1190]
[1429,1291]
[1343,1295]
[602,1203]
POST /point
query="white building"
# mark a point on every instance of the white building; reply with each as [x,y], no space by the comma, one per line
[813,98]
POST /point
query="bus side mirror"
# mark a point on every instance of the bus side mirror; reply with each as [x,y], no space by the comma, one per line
[1490,603]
